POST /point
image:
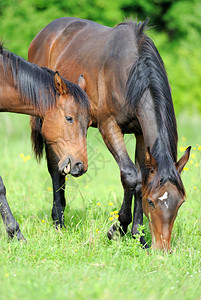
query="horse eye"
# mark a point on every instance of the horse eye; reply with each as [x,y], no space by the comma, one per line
[69,119]
[150,202]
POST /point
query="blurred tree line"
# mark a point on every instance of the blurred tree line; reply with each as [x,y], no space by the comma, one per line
[175,29]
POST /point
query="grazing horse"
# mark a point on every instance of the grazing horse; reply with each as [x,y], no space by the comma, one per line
[63,110]
[129,93]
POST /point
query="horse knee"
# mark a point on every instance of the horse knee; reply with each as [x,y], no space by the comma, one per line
[129,178]
[138,190]
[125,218]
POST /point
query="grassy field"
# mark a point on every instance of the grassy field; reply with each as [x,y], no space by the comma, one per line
[79,262]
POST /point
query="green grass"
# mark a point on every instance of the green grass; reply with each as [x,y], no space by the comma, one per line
[79,262]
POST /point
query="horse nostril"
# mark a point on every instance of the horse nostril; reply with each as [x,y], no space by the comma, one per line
[79,167]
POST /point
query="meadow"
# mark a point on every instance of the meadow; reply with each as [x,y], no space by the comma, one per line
[79,262]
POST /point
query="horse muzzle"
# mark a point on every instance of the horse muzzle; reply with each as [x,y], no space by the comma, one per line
[161,242]
[68,166]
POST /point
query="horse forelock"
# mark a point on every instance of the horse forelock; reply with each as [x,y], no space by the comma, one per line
[165,171]
[80,97]
[162,176]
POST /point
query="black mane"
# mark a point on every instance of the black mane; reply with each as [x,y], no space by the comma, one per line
[36,84]
[148,72]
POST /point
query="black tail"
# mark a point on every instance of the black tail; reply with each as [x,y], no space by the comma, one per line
[36,137]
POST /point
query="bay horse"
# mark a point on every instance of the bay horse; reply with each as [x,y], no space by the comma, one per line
[128,88]
[62,107]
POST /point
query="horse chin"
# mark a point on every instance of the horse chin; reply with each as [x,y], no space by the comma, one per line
[78,174]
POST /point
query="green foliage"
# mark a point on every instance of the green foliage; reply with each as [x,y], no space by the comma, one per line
[183,18]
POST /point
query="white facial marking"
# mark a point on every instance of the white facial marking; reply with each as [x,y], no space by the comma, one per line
[164,197]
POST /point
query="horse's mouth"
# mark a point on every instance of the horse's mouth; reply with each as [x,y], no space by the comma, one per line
[76,169]
[67,169]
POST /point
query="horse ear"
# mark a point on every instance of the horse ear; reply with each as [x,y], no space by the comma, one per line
[150,161]
[60,84]
[82,82]
[183,160]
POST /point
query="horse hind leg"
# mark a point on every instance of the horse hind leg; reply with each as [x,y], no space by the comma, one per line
[12,226]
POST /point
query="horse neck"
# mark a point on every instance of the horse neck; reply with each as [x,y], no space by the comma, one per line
[153,132]
[12,101]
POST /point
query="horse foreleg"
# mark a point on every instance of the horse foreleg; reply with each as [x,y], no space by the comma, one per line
[138,215]
[114,140]
[138,212]
[59,202]
[125,215]
[12,226]
[58,183]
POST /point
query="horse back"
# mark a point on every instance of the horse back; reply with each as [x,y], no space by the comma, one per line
[54,39]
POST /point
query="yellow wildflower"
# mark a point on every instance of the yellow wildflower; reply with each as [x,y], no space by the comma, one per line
[195,188]
[193,155]
[185,169]
[182,149]
[43,221]
[112,213]
[25,158]
[199,147]
[110,203]
[196,165]
[98,204]
[111,218]
[115,212]
[49,189]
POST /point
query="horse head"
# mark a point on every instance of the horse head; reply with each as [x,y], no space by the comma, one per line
[161,202]
[64,128]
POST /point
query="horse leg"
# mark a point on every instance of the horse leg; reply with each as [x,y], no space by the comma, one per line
[59,201]
[113,138]
[138,212]
[125,215]
[12,226]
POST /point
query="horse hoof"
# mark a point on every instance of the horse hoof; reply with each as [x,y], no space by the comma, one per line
[20,236]
[144,243]
[113,232]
